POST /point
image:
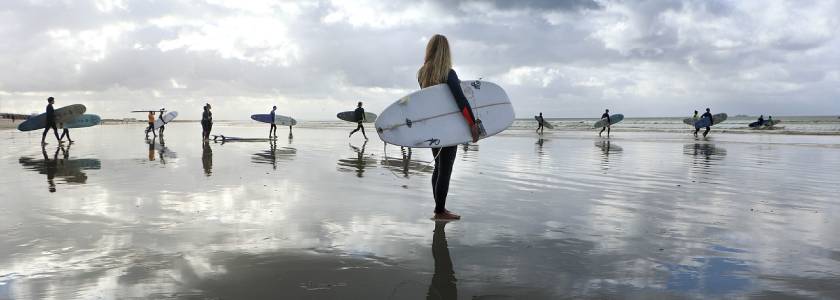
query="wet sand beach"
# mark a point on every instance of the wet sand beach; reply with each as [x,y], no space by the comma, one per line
[642,215]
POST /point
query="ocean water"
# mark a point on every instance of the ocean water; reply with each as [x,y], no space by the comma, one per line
[645,214]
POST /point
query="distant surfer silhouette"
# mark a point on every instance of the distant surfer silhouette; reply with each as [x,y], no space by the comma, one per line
[162,121]
[50,122]
[206,122]
[437,69]
[707,114]
[360,118]
[151,125]
[607,128]
[273,126]
[540,122]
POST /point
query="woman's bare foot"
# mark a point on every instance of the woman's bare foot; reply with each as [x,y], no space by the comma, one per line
[447,215]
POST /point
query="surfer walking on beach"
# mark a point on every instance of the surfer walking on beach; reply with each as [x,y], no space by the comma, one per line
[50,122]
[65,131]
[151,124]
[540,122]
[162,121]
[607,128]
[437,69]
[707,114]
[273,126]
[360,117]
[206,122]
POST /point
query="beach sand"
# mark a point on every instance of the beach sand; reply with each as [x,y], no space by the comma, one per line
[642,215]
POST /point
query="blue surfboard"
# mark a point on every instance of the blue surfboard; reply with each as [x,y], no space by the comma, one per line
[85,120]
[705,122]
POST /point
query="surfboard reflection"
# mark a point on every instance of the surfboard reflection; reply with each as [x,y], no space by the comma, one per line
[357,164]
[405,164]
[273,154]
[443,285]
[62,167]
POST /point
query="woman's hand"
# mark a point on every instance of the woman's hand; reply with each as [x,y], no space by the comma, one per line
[474,132]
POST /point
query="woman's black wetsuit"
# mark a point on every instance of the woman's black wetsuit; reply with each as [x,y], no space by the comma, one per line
[445,156]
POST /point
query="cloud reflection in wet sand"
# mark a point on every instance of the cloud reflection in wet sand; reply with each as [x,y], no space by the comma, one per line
[559,218]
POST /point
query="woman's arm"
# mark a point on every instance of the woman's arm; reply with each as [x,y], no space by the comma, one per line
[461,100]
[463,105]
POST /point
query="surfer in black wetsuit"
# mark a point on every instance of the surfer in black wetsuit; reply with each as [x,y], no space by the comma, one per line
[273,127]
[162,121]
[360,117]
[437,69]
[50,122]
[206,122]
[707,114]
[65,131]
[607,128]
[760,120]
[540,121]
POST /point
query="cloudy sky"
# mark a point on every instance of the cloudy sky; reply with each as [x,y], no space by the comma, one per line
[314,58]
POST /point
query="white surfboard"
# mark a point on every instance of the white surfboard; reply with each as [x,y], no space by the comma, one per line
[430,118]
[166,119]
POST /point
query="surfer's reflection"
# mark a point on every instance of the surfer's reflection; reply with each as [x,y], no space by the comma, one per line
[357,164]
[271,155]
[607,147]
[704,154]
[443,284]
[163,153]
[706,150]
[405,164]
[207,158]
[60,167]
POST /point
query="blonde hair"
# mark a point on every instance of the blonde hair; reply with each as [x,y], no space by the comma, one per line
[437,63]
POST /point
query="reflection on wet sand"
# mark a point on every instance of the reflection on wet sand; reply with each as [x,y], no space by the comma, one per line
[160,150]
[358,163]
[608,147]
[709,151]
[207,158]
[271,155]
[64,168]
[405,164]
[443,284]
[705,155]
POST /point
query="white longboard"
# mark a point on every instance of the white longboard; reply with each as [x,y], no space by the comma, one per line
[430,118]
[166,119]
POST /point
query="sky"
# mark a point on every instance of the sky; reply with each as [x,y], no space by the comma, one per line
[313,59]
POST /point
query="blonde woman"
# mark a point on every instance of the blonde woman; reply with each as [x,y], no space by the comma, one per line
[437,69]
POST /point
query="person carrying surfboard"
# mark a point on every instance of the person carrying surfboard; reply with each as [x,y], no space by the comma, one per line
[64,132]
[540,122]
[273,126]
[206,122]
[707,114]
[151,124]
[162,120]
[607,128]
[437,69]
[50,122]
[360,117]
